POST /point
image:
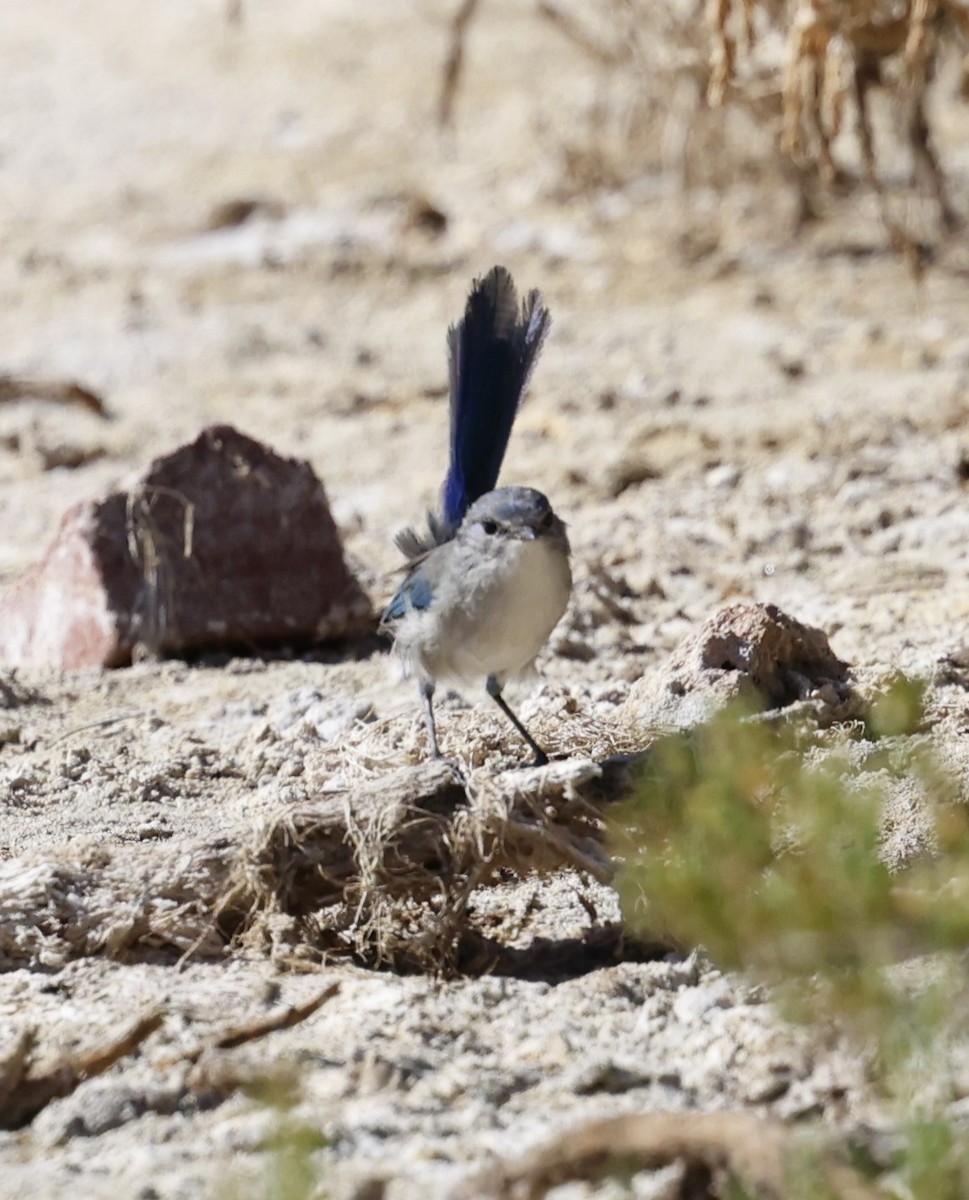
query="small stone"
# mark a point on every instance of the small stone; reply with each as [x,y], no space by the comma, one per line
[726,476]
[237,210]
[789,360]
[628,472]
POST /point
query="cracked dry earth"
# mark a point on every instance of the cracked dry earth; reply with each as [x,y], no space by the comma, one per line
[772,418]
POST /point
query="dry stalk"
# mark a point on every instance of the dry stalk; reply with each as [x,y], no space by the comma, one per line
[34,1088]
[454,62]
[757,1154]
[583,39]
[254,1030]
[147,546]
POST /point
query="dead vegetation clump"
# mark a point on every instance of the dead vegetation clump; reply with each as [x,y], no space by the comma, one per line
[711,91]
[109,903]
[838,52]
[387,874]
[382,865]
[383,874]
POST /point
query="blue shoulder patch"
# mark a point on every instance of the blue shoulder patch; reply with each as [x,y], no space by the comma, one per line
[415,593]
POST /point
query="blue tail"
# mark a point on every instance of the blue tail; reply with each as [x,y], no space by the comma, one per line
[491,352]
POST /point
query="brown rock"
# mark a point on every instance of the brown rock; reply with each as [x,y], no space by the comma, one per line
[750,651]
[221,543]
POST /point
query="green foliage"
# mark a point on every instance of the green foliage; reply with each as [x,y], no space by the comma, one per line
[741,841]
[899,709]
[289,1169]
[936,1163]
[291,1173]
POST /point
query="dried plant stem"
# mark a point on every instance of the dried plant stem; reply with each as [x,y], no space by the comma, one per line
[454,62]
[756,1153]
[24,1091]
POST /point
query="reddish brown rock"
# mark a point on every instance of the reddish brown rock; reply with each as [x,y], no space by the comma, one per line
[221,543]
[750,651]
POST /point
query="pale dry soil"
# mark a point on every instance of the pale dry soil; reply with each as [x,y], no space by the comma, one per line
[723,411]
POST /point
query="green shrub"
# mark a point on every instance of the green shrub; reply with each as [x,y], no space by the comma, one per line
[747,840]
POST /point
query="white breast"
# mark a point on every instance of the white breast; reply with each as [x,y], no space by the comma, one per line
[501,626]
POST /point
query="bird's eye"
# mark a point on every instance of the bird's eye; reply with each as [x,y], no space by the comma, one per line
[490,527]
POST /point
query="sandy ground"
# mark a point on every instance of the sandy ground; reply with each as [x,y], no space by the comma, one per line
[723,410]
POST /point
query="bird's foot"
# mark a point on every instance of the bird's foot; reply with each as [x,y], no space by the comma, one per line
[453,764]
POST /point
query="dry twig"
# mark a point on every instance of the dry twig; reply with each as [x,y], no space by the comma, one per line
[55,391]
[258,1027]
[25,1090]
[566,23]
[756,1153]
[455,60]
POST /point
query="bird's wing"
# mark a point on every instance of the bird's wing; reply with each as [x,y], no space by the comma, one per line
[415,593]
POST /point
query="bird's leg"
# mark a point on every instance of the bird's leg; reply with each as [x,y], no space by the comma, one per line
[494,691]
[427,693]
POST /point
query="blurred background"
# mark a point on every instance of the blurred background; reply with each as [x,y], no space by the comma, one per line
[745,218]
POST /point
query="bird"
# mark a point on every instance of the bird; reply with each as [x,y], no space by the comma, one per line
[490,577]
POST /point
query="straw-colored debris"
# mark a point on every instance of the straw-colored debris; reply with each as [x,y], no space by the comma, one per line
[796,66]
[757,1156]
[384,873]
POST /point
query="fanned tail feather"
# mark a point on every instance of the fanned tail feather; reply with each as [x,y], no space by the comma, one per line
[492,351]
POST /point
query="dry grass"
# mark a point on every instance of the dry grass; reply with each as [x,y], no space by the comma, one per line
[837,53]
[382,872]
[673,76]
[387,871]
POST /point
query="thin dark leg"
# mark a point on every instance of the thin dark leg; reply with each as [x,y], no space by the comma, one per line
[494,691]
[427,692]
